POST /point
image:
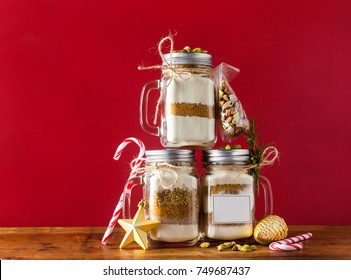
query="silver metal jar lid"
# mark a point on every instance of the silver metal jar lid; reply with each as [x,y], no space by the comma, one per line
[204,59]
[170,156]
[235,156]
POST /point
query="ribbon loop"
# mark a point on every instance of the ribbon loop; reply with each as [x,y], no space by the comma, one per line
[269,155]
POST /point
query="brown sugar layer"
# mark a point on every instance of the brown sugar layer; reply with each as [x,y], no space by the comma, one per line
[179,205]
[228,188]
[192,110]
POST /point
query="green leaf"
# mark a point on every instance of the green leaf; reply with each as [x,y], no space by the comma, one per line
[256,150]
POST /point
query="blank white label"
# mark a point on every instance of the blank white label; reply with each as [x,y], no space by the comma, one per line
[231,209]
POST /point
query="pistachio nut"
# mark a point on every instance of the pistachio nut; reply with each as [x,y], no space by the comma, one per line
[205,245]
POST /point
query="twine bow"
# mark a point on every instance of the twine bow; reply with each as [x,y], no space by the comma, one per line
[160,46]
[167,67]
[158,167]
[169,167]
[269,155]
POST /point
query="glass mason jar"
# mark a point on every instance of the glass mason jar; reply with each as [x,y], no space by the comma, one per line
[187,102]
[171,192]
[229,195]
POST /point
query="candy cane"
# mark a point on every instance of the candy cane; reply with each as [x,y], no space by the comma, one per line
[139,161]
[128,187]
[290,244]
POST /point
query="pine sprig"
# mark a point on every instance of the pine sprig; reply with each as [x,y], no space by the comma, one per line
[256,149]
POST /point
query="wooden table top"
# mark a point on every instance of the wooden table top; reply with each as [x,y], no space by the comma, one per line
[72,243]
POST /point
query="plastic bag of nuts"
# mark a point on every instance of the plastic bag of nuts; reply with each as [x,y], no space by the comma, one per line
[232,117]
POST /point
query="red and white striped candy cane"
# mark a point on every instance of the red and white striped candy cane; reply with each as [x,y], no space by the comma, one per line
[139,159]
[290,244]
[128,186]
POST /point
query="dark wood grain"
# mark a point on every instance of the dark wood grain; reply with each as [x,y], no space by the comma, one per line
[328,242]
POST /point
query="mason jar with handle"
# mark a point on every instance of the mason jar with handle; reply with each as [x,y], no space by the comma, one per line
[229,195]
[185,109]
[172,197]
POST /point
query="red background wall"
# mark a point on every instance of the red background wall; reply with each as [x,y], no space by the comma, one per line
[69,94]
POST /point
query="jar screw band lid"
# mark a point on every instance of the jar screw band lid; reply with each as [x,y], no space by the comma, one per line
[170,155]
[236,156]
[204,59]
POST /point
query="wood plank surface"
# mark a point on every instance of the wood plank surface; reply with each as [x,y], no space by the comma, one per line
[60,243]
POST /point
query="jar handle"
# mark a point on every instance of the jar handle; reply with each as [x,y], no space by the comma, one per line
[144,100]
[268,195]
[127,197]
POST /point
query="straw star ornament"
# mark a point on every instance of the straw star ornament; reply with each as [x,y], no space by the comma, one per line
[137,228]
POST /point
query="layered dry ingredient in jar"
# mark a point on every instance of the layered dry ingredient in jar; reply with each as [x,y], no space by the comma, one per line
[189,106]
[228,195]
[189,112]
[172,196]
[186,101]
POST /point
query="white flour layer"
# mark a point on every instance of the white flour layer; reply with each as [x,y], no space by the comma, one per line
[189,130]
[174,233]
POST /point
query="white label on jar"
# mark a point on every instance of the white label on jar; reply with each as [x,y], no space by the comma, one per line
[229,209]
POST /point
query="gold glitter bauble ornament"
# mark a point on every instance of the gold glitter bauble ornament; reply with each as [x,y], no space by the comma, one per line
[270,228]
